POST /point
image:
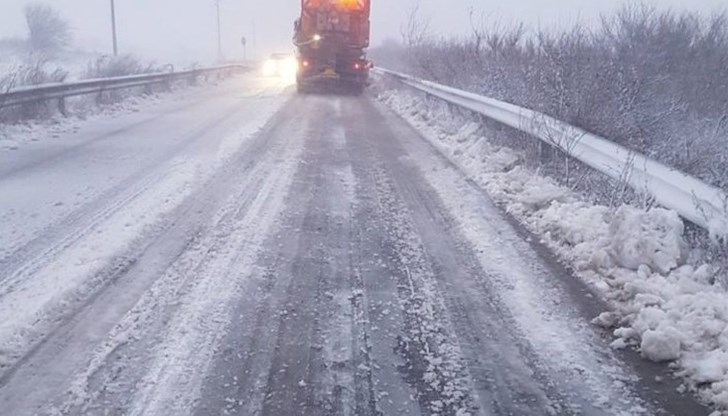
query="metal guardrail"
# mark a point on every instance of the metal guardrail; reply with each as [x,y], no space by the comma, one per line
[61,90]
[694,200]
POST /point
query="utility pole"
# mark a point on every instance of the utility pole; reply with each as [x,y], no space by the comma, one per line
[254,52]
[219,32]
[113,28]
[244,41]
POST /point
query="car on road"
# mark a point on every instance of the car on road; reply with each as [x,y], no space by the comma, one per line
[280,65]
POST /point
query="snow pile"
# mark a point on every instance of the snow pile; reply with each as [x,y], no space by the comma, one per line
[635,258]
[15,136]
[6,143]
[650,238]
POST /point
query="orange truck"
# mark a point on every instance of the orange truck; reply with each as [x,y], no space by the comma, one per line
[331,38]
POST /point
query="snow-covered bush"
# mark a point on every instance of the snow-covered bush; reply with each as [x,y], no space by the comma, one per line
[117,66]
[38,71]
[35,72]
[654,81]
[6,82]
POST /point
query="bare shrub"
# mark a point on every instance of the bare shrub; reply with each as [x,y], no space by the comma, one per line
[38,73]
[34,73]
[390,52]
[651,80]
[119,66]
[6,84]
[415,31]
[48,32]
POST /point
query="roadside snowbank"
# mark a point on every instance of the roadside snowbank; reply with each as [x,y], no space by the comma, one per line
[635,258]
[13,136]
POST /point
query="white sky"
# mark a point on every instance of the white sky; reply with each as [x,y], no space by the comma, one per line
[184,30]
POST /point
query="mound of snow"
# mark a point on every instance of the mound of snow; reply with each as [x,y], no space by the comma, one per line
[661,344]
[7,144]
[652,238]
[635,258]
[584,237]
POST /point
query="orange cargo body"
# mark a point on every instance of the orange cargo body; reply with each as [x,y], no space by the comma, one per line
[358,5]
[344,21]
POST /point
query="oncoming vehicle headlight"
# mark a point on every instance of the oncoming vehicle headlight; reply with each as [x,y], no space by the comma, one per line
[270,67]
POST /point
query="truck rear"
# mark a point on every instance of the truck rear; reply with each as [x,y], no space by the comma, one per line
[331,37]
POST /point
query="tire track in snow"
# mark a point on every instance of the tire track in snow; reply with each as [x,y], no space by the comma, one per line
[290,347]
[27,259]
[176,375]
[432,360]
[574,367]
[169,337]
[36,344]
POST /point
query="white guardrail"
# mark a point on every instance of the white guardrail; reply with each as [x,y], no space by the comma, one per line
[61,90]
[692,199]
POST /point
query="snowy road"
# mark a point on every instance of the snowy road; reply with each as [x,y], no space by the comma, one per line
[247,251]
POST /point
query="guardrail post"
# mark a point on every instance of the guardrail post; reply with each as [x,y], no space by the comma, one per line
[62,107]
[545,152]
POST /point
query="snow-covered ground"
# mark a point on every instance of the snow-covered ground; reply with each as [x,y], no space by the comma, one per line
[14,136]
[238,250]
[635,259]
[112,206]
[82,111]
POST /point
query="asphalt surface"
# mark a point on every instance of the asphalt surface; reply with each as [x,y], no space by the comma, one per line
[249,251]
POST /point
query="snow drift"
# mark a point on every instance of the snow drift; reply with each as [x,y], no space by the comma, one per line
[635,258]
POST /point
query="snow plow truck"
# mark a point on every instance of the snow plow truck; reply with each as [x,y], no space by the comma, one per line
[331,38]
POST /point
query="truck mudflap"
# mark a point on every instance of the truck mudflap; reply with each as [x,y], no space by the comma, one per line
[353,79]
[330,81]
[330,73]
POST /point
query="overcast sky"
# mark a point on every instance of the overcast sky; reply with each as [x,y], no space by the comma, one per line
[184,30]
